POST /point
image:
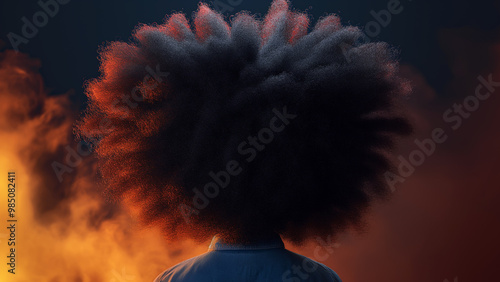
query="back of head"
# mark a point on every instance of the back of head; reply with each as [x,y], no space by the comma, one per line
[245,128]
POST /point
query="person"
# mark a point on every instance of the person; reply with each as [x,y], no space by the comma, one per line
[256,131]
[263,259]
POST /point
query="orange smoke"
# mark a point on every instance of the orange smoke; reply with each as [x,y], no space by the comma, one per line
[66,231]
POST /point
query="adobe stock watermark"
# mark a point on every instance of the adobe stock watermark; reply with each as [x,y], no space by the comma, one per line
[321,253]
[74,158]
[454,117]
[381,19]
[248,148]
[30,27]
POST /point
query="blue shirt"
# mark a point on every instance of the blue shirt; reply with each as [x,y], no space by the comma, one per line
[262,261]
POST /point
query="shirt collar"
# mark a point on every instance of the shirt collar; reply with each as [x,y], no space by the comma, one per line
[273,242]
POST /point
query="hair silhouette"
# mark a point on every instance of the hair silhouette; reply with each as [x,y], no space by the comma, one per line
[246,127]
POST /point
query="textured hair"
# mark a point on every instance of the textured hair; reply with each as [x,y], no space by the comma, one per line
[246,127]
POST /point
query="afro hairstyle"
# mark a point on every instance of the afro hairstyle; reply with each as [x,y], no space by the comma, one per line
[242,128]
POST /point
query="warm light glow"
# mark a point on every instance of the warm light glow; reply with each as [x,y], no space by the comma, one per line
[81,237]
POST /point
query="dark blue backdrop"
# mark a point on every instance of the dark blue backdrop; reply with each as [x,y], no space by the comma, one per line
[67,44]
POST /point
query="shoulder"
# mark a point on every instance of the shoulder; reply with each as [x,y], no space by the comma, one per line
[284,265]
[306,269]
[188,270]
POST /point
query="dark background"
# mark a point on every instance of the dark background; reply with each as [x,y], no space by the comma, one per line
[67,45]
[443,221]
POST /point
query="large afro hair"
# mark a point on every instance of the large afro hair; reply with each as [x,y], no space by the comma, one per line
[247,127]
